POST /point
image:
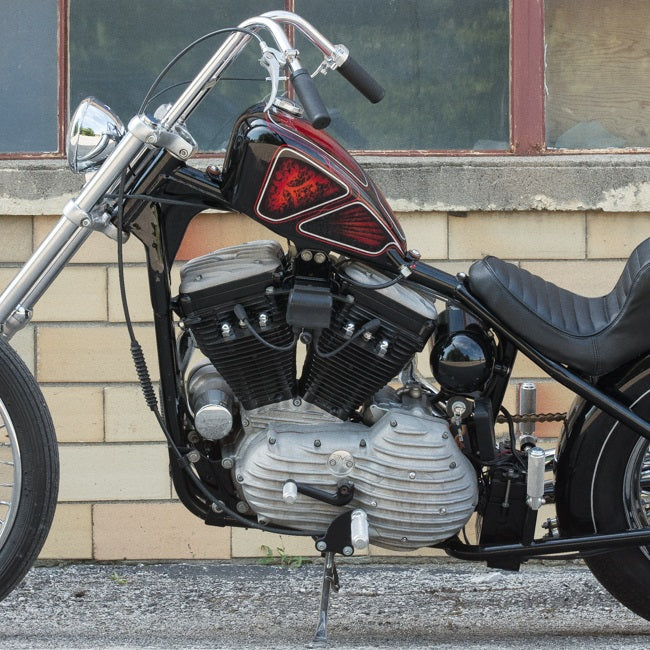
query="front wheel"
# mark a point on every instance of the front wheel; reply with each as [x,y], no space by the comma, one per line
[29,470]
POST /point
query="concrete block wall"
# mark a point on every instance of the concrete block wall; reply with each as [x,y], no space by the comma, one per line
[116,498]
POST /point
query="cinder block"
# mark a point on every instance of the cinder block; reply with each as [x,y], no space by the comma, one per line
[128,418]
[585,277]
[162,531]
[615,235]
[91,353]
[71,536]
[519,235]
[78,294]
[137,292]
[97,249]
[77,411]
[427,232]
[209,232]
[16,240]
[248,542]
[23,344]
[102,472]
[524,368]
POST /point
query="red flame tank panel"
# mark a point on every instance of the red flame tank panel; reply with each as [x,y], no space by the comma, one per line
[303,185]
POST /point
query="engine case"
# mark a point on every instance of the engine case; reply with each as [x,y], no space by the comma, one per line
[410,477]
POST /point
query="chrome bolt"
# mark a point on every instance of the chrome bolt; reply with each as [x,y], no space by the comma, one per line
[85,222]
[452,465]
[242,506]
[445,436]
[443,511]
[393,423]
[183,153]
[411,475]
[227,463]
[320,257]
[215,508]
[194,456]
[348,550]
[239,478]
[297,402]
[316,443]
[272,441]
[321,545]
[245,422]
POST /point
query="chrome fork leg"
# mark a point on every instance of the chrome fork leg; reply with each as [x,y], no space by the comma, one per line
[19,298]
[330,581]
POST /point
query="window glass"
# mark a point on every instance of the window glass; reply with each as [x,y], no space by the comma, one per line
[444,65]
[598,69]
[116,55]
[28,76]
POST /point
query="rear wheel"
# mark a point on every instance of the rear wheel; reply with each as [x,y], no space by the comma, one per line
[621,500]
[29,470]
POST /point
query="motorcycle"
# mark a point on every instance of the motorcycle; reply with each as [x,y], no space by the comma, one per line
[357,447]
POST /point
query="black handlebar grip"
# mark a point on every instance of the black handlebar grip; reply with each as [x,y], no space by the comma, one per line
[361,80]
[311,101]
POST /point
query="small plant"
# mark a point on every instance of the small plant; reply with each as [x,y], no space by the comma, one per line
[282,558]
[118,579]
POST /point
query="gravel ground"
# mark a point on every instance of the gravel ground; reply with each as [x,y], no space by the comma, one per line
[438,604]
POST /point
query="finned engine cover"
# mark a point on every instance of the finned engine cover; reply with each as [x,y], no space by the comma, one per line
[409,476]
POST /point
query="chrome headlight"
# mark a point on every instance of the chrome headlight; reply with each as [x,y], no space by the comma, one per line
[94,133]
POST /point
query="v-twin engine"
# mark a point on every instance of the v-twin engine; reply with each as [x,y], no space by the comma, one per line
[246,307]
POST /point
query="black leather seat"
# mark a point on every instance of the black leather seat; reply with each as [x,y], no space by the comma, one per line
[592,336]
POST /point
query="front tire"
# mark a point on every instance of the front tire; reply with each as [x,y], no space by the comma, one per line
[29,470]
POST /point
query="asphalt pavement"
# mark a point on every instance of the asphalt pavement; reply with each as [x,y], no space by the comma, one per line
[412,604]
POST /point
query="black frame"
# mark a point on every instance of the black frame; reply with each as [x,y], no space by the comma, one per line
[180,194]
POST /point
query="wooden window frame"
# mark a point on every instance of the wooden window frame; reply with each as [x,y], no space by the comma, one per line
[527,87]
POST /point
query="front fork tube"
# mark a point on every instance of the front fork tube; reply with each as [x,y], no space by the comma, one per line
[18,299]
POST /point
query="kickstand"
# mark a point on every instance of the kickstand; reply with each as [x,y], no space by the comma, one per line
[330,581]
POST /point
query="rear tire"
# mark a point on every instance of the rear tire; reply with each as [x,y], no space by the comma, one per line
[29,470]
[620,500]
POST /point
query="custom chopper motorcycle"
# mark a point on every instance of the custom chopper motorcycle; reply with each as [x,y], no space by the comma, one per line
[350,446]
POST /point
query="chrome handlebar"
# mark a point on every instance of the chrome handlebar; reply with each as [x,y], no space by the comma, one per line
[81,215]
